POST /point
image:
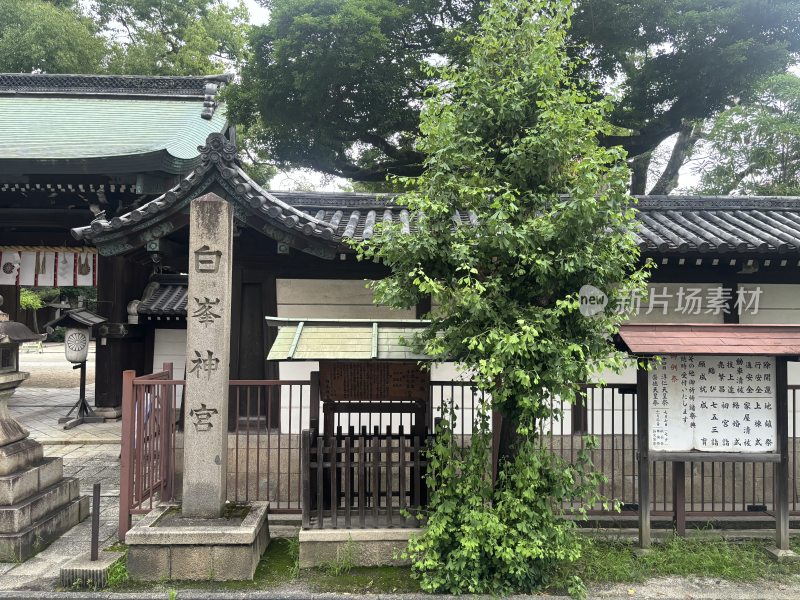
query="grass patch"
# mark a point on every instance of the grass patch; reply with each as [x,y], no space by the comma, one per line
[614,561]
[604,561]
[364,580]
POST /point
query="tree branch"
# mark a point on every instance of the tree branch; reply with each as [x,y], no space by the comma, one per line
[688,137]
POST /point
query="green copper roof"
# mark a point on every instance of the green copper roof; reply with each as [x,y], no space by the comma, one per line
[343,339]
[80,130]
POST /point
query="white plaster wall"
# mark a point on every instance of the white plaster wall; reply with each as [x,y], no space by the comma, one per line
[170,346]
[662,305]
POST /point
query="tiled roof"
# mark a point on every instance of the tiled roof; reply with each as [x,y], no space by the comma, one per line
[719,224]
[667,224]
[77,317]
[86,124]
[165,296]
[762,340]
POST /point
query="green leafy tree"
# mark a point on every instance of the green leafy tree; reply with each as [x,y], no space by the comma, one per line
[52,37]
[31,300]
[511,135]
[754,148]
[132,37]
[337,84]
[174,37]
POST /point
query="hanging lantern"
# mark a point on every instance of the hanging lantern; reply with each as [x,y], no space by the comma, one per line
[76,344]
[78,323]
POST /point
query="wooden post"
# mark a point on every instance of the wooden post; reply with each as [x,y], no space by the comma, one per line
[167,418]
[643,428]
[679,497]
[305,473]
[126,455]
[313,414]
[782,468]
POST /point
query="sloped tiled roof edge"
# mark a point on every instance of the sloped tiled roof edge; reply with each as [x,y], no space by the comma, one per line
[116,85]
[667,224]
[218,164]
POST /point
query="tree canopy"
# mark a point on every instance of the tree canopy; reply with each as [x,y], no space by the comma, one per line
[510,136]
[51,37]
[336,85]
[174,37]
[134,37]
[754,148]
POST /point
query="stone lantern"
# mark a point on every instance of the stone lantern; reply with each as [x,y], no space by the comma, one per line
[37,503]
[12,334]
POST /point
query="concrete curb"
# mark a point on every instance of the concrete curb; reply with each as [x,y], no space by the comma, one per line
[255,595]
[207,595]
[80,441]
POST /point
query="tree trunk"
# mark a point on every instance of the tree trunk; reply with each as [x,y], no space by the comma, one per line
[505,443]
[35,321]
[688,137]
[639,166]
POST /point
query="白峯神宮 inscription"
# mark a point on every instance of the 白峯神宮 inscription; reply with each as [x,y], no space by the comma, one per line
[712,403]
[207,357]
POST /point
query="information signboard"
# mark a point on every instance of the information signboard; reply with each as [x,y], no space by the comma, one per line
[349,381]
[712,403]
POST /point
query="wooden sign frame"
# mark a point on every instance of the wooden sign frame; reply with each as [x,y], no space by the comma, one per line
[779,458]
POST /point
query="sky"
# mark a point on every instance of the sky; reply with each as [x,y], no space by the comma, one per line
[258,14]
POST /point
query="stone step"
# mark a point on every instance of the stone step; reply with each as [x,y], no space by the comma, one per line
[20,546]
[19,455]
[19,516]
[21,485]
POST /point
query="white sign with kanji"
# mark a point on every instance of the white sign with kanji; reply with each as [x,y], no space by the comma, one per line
[712,403]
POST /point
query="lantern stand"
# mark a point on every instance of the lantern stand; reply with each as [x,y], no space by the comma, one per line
[78,322]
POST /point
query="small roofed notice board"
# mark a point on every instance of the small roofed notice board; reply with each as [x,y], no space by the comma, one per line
[712,403]
[348,381]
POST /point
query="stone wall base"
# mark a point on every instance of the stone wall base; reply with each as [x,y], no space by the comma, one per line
[355,547]
[197,553]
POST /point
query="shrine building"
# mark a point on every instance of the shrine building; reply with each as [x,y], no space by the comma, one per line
[102,170]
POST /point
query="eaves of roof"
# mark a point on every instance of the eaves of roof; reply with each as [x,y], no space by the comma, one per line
[667,224]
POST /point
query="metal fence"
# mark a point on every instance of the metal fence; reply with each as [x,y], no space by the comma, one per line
[267,418]
[147,457]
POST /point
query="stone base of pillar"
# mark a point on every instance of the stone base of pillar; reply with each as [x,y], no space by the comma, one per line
[109,413]
[167,546]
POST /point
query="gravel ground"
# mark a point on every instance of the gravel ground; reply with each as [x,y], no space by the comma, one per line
[50,369]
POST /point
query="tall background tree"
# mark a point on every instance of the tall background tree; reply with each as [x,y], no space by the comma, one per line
[506,132]
[173,37]
[336,85]
[51,37]
[754,147]
[134,37]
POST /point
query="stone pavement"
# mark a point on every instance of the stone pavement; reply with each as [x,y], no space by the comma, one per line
[38,410]
[91,453]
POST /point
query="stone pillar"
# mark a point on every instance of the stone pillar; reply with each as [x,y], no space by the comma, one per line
[208,327]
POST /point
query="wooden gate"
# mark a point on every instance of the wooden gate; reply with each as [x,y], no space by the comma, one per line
[147,474]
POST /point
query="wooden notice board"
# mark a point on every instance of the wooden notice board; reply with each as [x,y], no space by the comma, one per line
[355,381]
